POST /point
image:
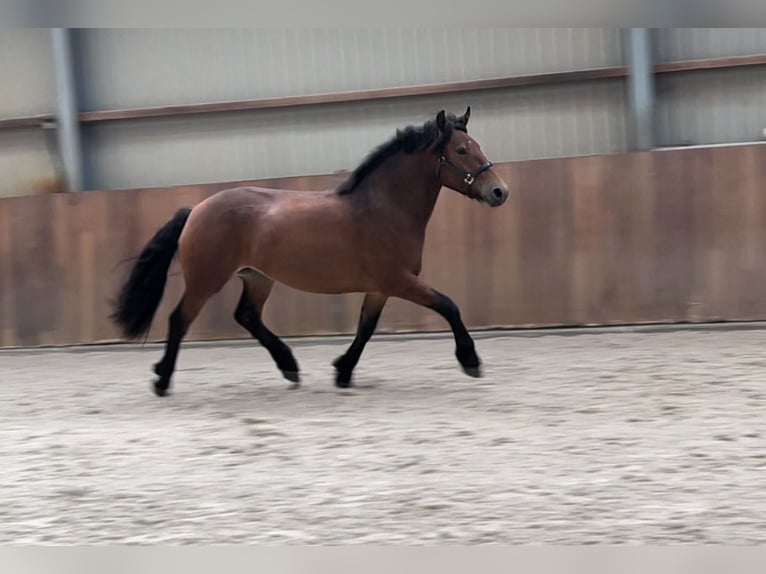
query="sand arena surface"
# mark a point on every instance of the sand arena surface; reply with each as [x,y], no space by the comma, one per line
[610,438]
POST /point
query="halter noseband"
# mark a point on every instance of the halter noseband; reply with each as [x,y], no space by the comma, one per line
[468,177]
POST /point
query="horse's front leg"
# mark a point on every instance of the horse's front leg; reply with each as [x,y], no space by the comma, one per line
[413,289]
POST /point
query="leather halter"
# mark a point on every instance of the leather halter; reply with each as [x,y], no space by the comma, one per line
[468,177]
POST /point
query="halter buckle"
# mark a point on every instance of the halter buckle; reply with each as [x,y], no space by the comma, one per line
[469,178]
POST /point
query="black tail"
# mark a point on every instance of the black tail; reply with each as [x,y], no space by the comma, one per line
[141,294]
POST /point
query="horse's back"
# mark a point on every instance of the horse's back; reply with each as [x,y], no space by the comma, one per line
[244,195]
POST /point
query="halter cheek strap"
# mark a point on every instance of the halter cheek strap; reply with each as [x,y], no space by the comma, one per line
[468,177]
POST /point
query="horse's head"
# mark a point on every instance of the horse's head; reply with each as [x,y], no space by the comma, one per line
[463,167]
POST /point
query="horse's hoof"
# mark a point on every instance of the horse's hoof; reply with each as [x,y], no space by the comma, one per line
[343,381]
[342,374]
[160,388]
[292,376]
[474,372]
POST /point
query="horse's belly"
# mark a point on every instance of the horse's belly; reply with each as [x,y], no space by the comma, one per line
[315,270]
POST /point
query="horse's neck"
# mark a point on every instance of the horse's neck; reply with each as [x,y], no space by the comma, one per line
[407,184]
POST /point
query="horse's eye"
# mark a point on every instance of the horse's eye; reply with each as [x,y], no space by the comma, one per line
[462,151]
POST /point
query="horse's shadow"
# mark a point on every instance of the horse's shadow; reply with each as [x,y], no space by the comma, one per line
[272,394]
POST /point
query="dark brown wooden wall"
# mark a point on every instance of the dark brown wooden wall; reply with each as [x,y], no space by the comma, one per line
[664,236]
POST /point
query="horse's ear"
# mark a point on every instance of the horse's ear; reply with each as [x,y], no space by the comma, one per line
[441,120]
[466,116]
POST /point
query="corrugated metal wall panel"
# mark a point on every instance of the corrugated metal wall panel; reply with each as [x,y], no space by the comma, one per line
[126,68]
[695,43]
[139,67]
[26,72]
[510,124]
[710,107]
[719,106]
[25,163]
[26,88]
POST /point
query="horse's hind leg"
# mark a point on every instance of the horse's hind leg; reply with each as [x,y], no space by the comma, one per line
[256,288]
[368,320]
[178,325]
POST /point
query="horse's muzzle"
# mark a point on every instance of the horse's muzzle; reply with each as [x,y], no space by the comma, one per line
[495,195]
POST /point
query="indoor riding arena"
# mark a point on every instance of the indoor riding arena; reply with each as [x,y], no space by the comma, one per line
[616,299]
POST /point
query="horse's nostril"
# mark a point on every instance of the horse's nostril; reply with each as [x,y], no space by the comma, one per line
[497,192]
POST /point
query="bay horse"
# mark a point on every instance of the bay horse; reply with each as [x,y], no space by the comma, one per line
[365,236]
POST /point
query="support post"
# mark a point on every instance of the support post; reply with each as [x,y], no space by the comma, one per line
[641,95]
[67,122]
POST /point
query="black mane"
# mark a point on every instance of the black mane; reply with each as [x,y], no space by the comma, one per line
[409,140]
